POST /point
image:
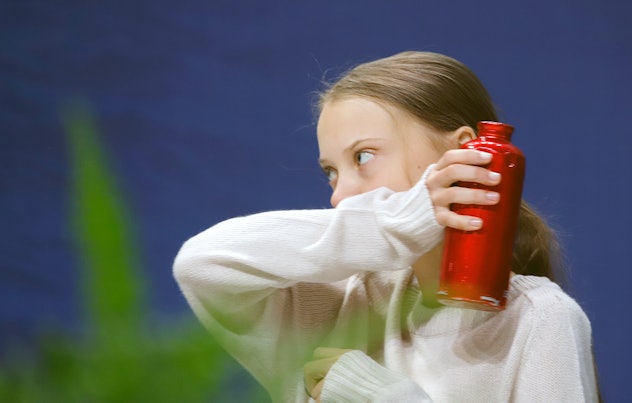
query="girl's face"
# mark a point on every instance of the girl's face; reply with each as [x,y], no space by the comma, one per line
[365,145]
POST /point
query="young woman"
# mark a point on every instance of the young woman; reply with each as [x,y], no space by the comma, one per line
[338,304]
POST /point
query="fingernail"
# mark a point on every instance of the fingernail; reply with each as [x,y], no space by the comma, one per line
[495,176]
[492,196]
[476,222]
[485,156]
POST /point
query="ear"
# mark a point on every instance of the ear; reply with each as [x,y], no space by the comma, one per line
[464,134]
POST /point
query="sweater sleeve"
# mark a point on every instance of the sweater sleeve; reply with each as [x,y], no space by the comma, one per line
[558,363]
[378,230]
[357,377]
[268,284]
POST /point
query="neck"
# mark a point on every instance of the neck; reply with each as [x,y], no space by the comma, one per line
[427,269]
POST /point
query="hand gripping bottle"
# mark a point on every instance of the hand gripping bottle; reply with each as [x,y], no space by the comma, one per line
[476,265]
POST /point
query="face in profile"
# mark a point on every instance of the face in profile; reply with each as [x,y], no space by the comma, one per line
[365,145]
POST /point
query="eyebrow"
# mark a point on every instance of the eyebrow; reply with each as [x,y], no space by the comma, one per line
[324,161]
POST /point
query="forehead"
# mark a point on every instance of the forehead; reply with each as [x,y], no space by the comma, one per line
[355,116]
[343,123]
[344,120]
[349,107]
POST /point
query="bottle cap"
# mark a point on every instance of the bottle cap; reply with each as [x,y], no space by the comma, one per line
[495,129]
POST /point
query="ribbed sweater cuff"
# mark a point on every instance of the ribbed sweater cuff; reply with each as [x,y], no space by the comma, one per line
[355,377]
[412,213]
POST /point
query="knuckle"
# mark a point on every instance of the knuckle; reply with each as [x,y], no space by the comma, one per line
[431,180]
[442,217]
[443,197]
[455,194]
[454,221]
[482,175]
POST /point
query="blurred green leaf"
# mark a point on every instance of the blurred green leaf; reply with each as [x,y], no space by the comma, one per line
[103,227]
[121,357]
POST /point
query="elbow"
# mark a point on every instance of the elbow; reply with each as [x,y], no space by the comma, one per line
[199,261]
[187,263]
[182,267]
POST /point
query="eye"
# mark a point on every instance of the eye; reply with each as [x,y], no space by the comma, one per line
[363,157]
[330,173]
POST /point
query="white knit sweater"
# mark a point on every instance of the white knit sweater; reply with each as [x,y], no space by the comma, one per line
[273,286]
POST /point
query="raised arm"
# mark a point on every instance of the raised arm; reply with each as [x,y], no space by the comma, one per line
[260,282]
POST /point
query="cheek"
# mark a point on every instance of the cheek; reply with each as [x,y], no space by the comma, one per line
[415,175]
[418,164]
[397,178]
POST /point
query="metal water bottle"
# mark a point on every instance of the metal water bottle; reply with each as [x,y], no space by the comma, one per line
[476,265]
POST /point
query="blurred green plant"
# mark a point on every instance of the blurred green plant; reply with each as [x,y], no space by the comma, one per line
[121,357]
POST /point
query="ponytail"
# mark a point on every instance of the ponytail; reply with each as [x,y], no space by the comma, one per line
[537,249]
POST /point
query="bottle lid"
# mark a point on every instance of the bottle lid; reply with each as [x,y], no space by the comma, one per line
[487,127]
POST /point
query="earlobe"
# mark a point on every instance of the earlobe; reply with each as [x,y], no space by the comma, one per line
[464,134]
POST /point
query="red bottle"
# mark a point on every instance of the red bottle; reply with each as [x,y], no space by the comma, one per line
[476,265]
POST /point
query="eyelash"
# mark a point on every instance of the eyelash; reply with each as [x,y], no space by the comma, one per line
[330,173]
[359,154]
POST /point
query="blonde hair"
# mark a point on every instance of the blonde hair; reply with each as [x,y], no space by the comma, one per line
[446,94]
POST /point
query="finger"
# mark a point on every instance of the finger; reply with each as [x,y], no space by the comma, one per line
[462,173]
[328,352]
[462,195]
[451,219]
[317,390]
[315,371]
[463,156]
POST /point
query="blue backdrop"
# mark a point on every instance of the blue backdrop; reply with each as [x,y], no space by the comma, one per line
[204,109]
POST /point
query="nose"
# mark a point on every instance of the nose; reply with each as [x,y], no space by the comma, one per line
[345,187]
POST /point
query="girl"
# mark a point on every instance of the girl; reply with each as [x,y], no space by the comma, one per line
[338,304]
